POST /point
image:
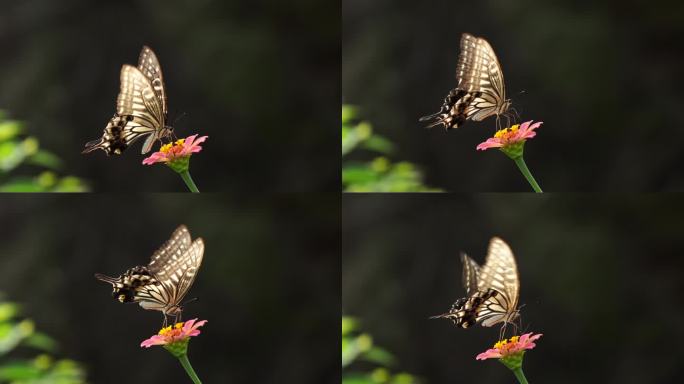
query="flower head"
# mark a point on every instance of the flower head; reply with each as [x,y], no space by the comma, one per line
[175,338]
[177,154]
[511,140]
[510,352]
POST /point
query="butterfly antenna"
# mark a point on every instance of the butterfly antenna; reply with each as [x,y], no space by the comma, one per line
[106,279]
[182,115]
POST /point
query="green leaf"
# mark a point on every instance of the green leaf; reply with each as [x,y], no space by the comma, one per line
[357,378]
[380,144]
[348,113]
[21,184]
[379,356]
[45,159]
[9,129]
[8,311]
[13,334]
[349,324]
[19,370]
[41,341]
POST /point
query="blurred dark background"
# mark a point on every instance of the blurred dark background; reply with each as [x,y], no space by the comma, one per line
[605,77]
[600,278]
[261,78]
[269,283]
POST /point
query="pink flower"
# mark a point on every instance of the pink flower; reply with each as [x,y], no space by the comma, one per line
[176,153]
[513,137]
[510,351]
[178,333]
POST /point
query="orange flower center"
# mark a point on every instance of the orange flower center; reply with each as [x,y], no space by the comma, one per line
[506,133]
[172,147]
[171,328]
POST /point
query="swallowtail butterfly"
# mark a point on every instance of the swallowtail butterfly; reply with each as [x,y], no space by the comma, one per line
[492,289]
[162,284]
[140,108]
[480,90]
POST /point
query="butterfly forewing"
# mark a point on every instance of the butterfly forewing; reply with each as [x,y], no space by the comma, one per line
[479,92]
[500,272]
[149,66]
[172,249]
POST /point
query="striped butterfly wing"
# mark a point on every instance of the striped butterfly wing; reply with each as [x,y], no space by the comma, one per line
[148,64]
[465,312]
[175,267]
[492,289]
[471,271]
[141,108]
[499,273]
[162,284]
[480,91]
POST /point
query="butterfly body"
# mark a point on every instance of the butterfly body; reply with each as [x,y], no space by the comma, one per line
[163,283]
[480,90]
[492,289]
[140,108]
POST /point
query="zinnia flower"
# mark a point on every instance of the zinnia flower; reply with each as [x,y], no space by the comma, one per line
[510,352]
[175,338]
[511,140]
[177,155]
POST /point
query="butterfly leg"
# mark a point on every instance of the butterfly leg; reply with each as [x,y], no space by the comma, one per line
[502,331]
[166,321]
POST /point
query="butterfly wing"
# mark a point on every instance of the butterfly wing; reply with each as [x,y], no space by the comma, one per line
[500,273]
[466,311]
[149,66]
[471,271]
[174,247]
[480,89]
[139,113]
[175,265]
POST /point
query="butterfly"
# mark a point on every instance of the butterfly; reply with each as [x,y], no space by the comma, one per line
[480,90]
[492,290]
[140,108]
[162,284]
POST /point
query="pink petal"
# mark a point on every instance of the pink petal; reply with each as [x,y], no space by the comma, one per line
[490,143]
[154,340]
[489,354]
[190,327]
[156,157]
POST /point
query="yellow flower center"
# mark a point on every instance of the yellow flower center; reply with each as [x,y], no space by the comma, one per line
[168,329]
[503,343]
[167,147]
[507,132]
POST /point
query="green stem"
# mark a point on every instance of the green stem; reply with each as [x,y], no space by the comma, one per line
[526,172]
[520,376]
[185,175]
[191,372]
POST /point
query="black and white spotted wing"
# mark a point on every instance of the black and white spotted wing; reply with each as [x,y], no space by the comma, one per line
[480,90]
[164,282]
[140,108]
[493,289]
